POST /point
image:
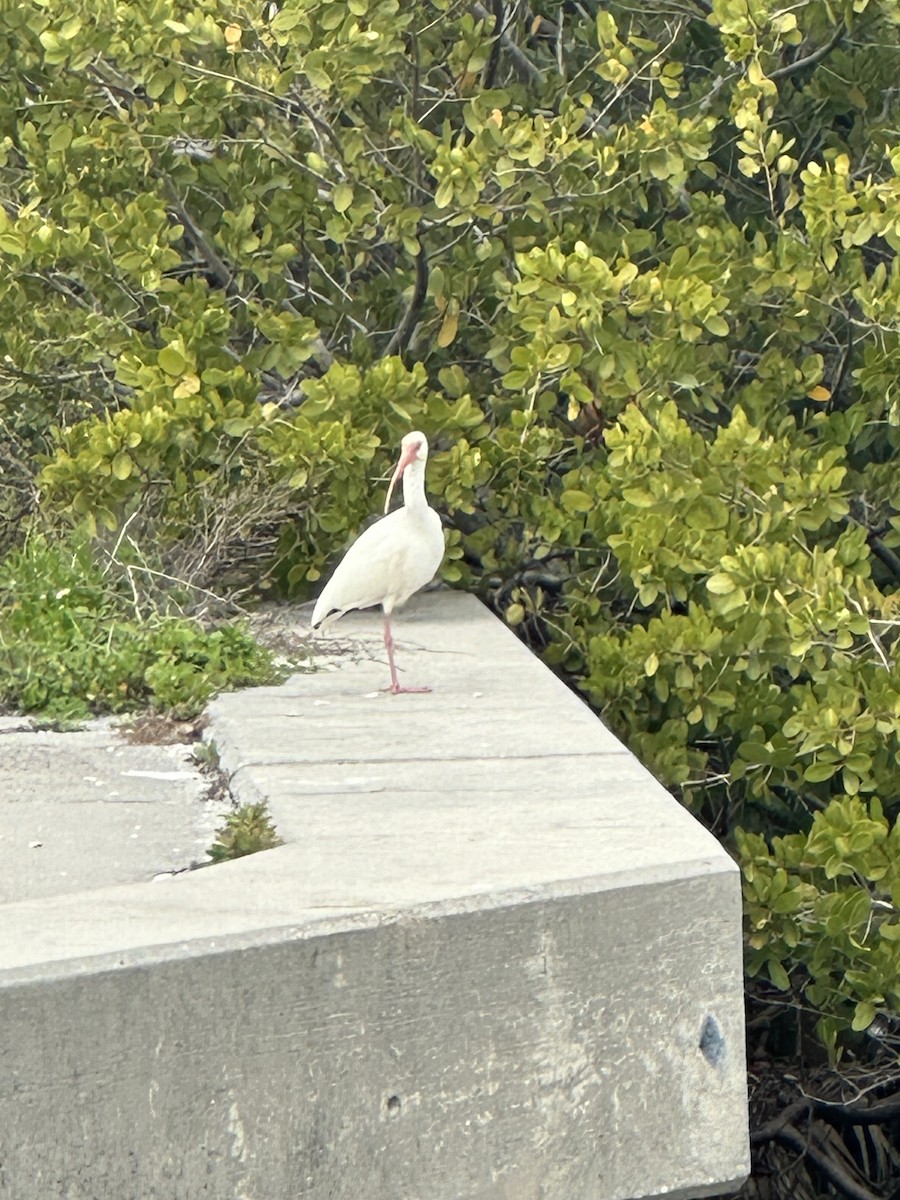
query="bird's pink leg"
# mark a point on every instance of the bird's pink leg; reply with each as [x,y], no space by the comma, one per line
[395,687]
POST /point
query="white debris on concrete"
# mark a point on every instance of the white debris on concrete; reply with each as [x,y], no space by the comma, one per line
[101,810]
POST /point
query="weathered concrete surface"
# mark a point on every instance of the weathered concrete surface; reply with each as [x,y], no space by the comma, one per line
[88,808]
[494,961]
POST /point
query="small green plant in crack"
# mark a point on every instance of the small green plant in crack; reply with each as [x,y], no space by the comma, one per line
[206,754]
[247,830]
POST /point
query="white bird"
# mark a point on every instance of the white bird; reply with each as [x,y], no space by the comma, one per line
[392,558]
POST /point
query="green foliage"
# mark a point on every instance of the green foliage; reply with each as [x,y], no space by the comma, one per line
[72,642]
[822,915]
[759,673]
[246,830]
[633,271]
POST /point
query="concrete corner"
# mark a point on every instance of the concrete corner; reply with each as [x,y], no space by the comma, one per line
[494,960]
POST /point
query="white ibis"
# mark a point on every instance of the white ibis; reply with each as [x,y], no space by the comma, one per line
[392,558]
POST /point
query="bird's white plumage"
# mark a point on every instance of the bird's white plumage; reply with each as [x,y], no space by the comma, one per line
[397,555]
[386,564]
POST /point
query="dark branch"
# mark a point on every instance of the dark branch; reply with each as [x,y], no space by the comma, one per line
[775,1126]
[318,123]
[521,61]
[811,59]
[846,358]
[490,71]
[217,268]
[416,79]
[404,331]
[887,556]
[856,1114]
[830,1168]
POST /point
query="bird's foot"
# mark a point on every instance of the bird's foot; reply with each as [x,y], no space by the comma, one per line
[397,689]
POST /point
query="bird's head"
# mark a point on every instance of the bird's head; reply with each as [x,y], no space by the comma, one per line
[413,449]
[413,446]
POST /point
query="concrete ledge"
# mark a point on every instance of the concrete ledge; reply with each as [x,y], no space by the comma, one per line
[495,960]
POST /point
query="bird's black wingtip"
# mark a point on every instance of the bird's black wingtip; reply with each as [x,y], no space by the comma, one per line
[314,625]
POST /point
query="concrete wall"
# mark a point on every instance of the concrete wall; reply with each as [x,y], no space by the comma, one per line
[493,961]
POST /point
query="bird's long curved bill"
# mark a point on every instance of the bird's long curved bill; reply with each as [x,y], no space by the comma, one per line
[405,459]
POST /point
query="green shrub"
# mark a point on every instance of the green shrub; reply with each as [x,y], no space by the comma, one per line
[822,916]
[73,643]
[751,667]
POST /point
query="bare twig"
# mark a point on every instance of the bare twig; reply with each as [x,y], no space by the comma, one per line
[281,102]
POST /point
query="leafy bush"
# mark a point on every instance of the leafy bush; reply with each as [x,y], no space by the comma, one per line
[822,915]
[73,643]
[752,669]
